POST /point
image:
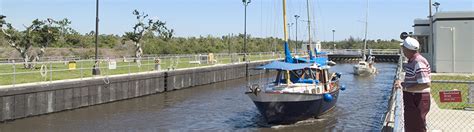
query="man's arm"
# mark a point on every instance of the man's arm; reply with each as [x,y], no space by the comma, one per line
[417,87]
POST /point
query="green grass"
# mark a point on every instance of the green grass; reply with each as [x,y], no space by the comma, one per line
[464,88]
[84,68]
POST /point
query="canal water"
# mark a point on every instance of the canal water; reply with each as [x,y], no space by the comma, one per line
[222,106]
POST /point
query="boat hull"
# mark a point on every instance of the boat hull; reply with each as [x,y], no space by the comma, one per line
[288,108]
[364,70]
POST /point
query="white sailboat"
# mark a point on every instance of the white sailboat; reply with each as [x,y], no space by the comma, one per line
[366,65]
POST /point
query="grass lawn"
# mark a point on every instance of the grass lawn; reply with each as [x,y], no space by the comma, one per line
[84,68]
[464,88]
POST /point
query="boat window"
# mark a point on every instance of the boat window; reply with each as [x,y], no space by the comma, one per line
[299,72]
[361,63]
[278,77]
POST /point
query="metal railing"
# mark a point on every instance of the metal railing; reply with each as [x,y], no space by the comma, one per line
[359,51]
[394,114]
[62,68]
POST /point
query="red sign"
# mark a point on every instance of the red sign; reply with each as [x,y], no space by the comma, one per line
[450,96]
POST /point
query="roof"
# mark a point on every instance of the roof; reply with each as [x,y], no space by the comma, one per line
[454,14]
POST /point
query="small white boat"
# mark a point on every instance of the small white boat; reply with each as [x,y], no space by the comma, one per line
[365,68]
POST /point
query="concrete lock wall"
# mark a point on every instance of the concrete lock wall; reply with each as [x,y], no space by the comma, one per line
[30,100]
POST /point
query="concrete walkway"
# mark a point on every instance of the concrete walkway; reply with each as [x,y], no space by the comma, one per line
[449,120]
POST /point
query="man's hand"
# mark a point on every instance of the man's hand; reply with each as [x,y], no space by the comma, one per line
[397,84]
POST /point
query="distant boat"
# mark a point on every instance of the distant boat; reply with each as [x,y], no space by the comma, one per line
[302,89]
[365,67]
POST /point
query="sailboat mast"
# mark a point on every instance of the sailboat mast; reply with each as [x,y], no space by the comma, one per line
[309,26]
[285,31]
[366,24]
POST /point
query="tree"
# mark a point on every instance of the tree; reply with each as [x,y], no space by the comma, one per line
[40,33]
[143,26]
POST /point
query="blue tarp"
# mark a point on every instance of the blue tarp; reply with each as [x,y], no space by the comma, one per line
[319,60]
[278,65]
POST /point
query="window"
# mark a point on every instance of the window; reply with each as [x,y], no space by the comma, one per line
[423,40]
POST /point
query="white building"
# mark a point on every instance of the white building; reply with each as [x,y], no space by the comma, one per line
[452,48]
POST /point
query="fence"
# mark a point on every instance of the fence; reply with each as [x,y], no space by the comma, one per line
[451,107]
[359,51]
[57,68]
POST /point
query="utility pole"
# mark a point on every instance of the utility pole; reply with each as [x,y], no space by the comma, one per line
[431,36]
[334,42]
[296,32]
[289,34]
[246,3]
[95,68]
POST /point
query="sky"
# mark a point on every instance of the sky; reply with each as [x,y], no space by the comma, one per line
[193,18]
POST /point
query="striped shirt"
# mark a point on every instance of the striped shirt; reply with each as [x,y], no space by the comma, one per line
[417,71]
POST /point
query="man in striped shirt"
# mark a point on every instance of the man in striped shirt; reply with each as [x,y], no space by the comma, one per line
[416,87]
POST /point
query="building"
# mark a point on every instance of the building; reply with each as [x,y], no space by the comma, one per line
[451,50]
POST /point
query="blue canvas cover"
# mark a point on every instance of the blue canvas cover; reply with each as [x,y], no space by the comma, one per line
[278,65]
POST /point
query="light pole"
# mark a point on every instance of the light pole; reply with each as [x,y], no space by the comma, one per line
[289,34]
[95,68]
[246,3]
[334,42]
[296,32]
[436,5]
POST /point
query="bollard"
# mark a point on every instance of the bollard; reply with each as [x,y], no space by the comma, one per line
[157,64]
[72,65]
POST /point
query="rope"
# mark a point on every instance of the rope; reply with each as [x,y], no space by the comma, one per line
[139,64]
[44,70]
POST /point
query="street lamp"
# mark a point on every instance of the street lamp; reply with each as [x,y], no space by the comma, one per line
[246,3]
[334,42]
[95,68]
[296,32]
[289,33]
[436,5]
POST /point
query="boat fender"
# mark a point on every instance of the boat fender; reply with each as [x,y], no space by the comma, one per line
[338,75]
[331,63]
[255,89]
[343,87]
[327,97]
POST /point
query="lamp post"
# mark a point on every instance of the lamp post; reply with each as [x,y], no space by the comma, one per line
[289,34]
[246,3]
[334,42]
[296,32]
[436,5]
[95,68]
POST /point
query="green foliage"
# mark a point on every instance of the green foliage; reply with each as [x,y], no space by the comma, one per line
[41,33]
[147,25]
[155,38]
[108,41]
[355,43]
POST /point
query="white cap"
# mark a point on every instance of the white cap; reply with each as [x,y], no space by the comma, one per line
[411,43]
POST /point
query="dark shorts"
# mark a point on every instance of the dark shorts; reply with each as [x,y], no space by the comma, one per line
[417,106]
